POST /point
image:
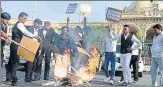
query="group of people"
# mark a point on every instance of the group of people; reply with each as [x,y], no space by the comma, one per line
[129,43]
[130,46]
[130,53]
[36,32]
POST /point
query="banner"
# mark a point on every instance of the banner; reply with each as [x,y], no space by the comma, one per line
[85,8]
[113,14]
[71,8]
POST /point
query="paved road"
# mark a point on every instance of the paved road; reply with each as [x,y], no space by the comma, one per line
[145,81]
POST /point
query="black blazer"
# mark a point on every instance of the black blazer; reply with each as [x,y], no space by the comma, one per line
[5,31]
[30,29]
[50,36]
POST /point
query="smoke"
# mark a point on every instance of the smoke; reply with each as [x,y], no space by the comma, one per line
[81,60]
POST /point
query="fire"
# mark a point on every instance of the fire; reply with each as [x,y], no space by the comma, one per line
[87,72]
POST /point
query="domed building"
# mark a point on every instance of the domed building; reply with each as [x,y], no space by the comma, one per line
[142,15]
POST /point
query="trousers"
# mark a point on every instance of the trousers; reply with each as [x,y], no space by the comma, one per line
[110,56]
[157,63]
[134,62]
[14,59]
[125,62]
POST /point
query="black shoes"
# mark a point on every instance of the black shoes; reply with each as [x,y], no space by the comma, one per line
[27,80]
[36,77]
[16,84]
[7,82]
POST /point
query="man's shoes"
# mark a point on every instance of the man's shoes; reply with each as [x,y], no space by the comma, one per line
[124,84]
[27,80]
[111,82]
[33,79]
[7,82]
[136,81]
[46,78]
[107,80]
[15,84]
[36,77]
[129,84]
[121,81]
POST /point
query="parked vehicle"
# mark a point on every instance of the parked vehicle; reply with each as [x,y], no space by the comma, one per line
[118,67]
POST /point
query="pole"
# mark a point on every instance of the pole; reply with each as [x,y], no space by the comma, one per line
[34,10]
[79,18]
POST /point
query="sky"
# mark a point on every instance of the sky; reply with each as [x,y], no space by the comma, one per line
[56,10]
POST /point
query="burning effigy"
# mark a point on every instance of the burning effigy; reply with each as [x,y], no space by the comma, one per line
[83,65]
[82,75]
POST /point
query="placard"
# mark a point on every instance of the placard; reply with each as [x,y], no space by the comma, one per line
[113,14]
[30,44]
[74,35]
[71,8]
[85,8]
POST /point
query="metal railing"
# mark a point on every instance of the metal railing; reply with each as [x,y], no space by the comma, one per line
[146,51]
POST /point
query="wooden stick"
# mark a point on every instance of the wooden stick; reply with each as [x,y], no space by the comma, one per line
[18,44]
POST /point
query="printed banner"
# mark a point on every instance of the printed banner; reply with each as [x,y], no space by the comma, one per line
[85,8]
[71,8]
[113,14]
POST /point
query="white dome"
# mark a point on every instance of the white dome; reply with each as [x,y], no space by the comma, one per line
[140,6]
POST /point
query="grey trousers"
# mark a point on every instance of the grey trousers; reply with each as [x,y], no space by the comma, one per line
[157,63]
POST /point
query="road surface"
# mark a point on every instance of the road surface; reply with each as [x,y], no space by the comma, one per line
[97,81]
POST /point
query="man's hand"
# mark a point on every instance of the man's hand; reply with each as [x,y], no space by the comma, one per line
[129,49]
[4,35]
[37,37]
[3,39]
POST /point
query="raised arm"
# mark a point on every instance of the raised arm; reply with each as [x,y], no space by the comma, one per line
[116,36]
[22,28]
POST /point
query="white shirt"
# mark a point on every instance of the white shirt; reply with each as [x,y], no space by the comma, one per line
[136,51]
[35,32]
[126,36]
[44,32]
[110,43]
[133,39]
[80,34]
[22,28]
[157,47]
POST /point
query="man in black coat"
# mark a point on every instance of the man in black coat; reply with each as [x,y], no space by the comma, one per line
[30,66]
[48,34]
[5,17]
[18,31]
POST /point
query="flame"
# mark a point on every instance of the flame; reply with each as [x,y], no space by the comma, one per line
[85,73]
[88,72]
